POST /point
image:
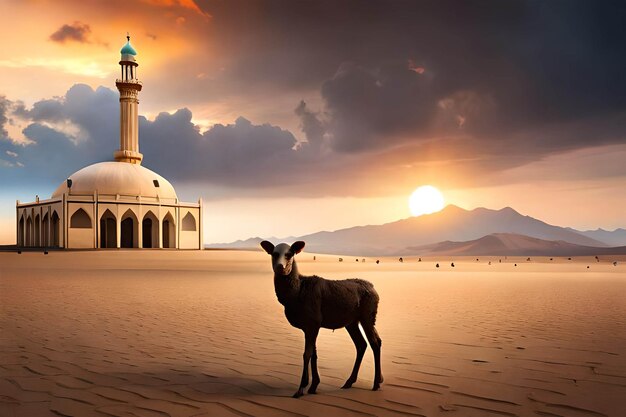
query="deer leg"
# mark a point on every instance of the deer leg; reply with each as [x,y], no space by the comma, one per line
[375,343]
[361,345]
[310,335]
[315,376]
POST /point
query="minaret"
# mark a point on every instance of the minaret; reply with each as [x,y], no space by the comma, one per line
[129,87]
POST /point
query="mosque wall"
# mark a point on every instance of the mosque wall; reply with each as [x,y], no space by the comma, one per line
[40,224]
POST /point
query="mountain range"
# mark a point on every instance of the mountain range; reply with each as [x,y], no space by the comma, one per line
[479,231]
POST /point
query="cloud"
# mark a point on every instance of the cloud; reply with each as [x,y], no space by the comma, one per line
[310,124]
[4,108]
[241,154]
[77,32]
[186,4]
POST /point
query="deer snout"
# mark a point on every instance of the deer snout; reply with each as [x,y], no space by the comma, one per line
[279,268]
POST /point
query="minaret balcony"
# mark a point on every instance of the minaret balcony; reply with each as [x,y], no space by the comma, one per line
[119,81]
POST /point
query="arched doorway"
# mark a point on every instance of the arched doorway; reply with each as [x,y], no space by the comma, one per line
[108,230]
[169,231]
[129,232]
[37,239]
[150,231]
[55,232]
[20,232]
[45,225]
[29,231]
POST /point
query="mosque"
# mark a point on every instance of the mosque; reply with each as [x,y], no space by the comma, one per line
[115,204]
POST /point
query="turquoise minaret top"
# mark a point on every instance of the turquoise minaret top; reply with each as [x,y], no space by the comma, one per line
[128,49]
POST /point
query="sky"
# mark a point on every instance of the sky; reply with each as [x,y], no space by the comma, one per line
[291,117]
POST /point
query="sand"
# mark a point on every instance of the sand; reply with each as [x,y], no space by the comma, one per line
[165,333]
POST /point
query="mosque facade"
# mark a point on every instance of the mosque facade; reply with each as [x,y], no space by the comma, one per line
[115,204]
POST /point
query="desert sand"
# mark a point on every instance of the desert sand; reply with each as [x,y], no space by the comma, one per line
[166,333]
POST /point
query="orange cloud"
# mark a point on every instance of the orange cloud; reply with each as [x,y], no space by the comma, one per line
[187,4]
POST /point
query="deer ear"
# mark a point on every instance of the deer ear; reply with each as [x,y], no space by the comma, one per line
[267,246]
[297,247]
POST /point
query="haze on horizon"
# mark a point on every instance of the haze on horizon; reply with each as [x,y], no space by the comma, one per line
[294,117]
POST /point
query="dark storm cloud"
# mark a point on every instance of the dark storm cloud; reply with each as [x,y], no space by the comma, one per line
[312,127]
[405,72]
[77,31]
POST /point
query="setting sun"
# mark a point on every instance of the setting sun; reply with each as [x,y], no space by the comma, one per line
[425,200]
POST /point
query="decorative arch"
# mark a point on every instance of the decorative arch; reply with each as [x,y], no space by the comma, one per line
[29,231]
[37,231]
[169,231]
[55,229]
[80,220]
[189,223]
[20,232]
[45,228]
[108,230]
[129,228]
[150,230]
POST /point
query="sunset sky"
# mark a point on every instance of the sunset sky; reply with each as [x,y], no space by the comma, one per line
[290,117]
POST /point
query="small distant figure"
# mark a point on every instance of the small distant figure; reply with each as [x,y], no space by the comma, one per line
[615,263]
[489,262]
[19,252]
[363,260]
[340,259]
[452,264]
[401,260]
[377,261]
[527,259]
[515,264]
[597,259]
[437,266]
[551,259]
[357,259]
[476,259]
[45,252]
[587,266]
[499,260]
[314,258]
[419,260]
[569,259]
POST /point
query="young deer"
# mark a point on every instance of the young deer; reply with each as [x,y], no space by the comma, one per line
[312,302]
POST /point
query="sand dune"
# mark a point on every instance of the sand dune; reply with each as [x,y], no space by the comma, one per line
[201,334]
[514,245]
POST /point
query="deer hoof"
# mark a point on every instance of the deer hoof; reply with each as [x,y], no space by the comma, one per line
[376,387]
[298,394]
[312,390]
[347,385]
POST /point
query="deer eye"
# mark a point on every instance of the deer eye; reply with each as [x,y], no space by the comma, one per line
[274,255]
[288,255]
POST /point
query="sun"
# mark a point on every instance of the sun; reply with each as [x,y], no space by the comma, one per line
[425,200]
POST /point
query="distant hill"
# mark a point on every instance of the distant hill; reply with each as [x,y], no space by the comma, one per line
[616,237]
[451,224]
[511,244]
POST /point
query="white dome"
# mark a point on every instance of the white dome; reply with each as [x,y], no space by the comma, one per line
[120,178]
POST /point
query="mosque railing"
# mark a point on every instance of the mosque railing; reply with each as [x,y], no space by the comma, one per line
[128,81]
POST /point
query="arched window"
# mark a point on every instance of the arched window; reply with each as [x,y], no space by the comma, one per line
[80,220]
[189,223]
